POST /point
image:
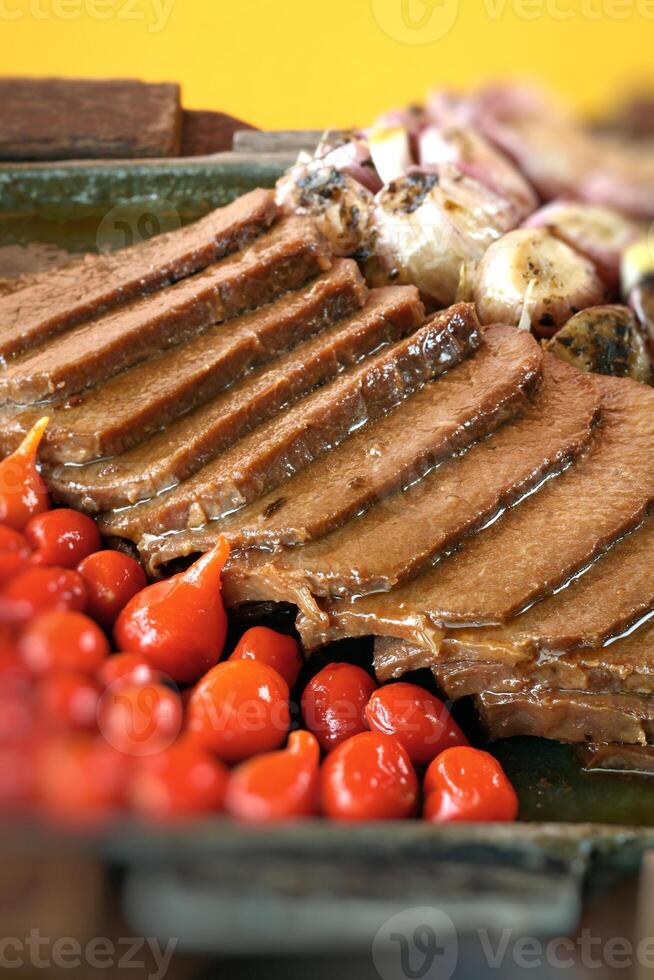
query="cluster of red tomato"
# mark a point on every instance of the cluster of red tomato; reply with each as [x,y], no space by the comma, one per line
[86,732]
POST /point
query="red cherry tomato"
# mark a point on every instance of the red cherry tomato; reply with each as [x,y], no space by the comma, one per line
[38,589]
[128,670]
[184,781]
[79,779]
[186,695]
[17,715]
[23,492]
[417,719]
[238,709]
[179,624]
[268,647]
[334,701]
[68,702]
[11,564]
[11,540]
[112,579]
[15,676]
[62,537]
[16,776]
[369,777]
[277,785]
[140,720]
[60,641]
[466,784]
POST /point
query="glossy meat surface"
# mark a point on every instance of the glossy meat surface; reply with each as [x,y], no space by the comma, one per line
[445,416]
[307,430]
[534,548]
[56,301]
[114,417]
[285,258]
[405,532]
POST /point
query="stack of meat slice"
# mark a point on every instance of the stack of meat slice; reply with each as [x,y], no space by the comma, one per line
[188,376]
[477,505]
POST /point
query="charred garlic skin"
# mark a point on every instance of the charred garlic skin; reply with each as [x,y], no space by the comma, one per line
[431,226]
[604,340]
[349,152]
[475,156]
[531,276]
[602,234]
[338,203]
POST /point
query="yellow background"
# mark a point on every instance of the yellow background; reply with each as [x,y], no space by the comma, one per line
[306,63]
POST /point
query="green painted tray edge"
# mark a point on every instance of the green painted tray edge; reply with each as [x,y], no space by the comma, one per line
[191,184]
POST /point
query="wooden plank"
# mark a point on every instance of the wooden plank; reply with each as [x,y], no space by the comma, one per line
[64,119]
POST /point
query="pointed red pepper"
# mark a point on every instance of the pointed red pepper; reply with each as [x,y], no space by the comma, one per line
[277,785]
[23,492]
[179,624]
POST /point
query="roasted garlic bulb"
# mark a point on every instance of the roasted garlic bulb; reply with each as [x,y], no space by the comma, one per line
[533,279]
[605,340]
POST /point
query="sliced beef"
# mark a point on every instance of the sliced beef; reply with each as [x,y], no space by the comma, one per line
[393,658]
[465,679]
[614,757]
[623,666]
[60,299]
[407,531]
[113,417]
[512,700]
[291,441]
[443,417]
[569,716]
[533,549]
[612,596]
[285,258]
[184,446]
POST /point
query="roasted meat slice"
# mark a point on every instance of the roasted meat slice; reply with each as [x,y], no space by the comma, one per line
[308,429]
[609,598]
[406,532]
[284,258]
[115,416]
[55,301]
[532,550]
[442,418]
[568,716]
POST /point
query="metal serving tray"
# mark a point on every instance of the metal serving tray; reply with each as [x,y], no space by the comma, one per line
[318,886]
